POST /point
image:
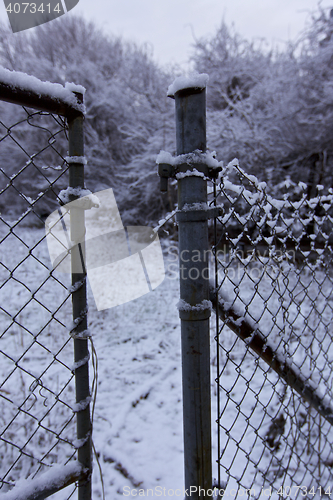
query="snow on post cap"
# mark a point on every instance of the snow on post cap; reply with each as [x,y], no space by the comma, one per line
[194,81]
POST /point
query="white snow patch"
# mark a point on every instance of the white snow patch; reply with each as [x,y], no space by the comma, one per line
[78,443]
[195,80]
[81,405]
[80,363]
[202,306]
[190,173]
[197,156]
[163,221]
[85,197]
[165,157]
[17,79]
[56,477]
[76,159]
[73,87]
[53,167]
[76,286]
[190,207]
[85,334]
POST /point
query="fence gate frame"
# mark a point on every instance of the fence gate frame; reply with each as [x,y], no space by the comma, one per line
[68,103]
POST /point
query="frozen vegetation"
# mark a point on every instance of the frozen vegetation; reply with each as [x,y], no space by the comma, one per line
[272,110]
[263,108]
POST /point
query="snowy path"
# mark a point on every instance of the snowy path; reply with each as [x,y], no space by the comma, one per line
[138,414]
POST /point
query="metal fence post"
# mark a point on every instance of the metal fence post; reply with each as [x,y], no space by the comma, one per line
[194,291]
[79,304]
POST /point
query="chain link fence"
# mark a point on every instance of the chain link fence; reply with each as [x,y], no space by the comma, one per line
[274,304]
[37,372]
[270,256]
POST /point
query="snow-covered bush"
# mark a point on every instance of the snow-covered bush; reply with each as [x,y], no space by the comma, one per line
[128,114]
[272,110]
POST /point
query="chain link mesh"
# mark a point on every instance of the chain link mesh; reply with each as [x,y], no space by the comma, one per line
[273,269]
[37,424]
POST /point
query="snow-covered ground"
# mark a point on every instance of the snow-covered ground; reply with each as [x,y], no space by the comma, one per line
[138,420]
[137,428]
[138,414]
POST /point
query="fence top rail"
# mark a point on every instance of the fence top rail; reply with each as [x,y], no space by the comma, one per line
[27,90]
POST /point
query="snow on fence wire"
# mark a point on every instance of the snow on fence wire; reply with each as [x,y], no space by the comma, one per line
[40,124]
[273,297]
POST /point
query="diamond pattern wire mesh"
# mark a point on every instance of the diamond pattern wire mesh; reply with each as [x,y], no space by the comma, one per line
[37,424]
[274,279]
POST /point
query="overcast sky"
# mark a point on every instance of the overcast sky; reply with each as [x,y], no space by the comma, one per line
[169,25]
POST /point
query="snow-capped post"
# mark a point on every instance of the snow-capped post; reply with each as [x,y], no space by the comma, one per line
[191,168]
[79,332]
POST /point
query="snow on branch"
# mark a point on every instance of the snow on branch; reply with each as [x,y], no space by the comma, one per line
[163,221]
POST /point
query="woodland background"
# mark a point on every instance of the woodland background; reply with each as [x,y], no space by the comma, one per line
[270,108]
